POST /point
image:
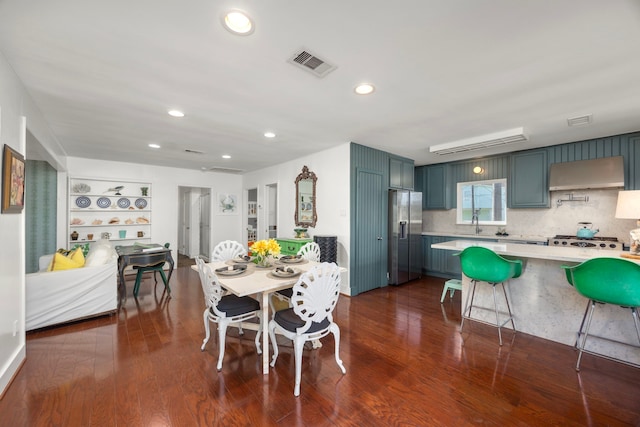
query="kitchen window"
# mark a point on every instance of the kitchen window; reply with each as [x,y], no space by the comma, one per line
[484,201]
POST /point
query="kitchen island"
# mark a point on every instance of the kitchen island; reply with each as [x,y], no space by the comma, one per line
[544,304]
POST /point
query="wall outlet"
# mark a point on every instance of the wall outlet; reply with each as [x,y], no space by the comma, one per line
[15,328]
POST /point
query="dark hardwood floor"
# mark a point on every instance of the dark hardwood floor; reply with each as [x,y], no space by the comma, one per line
[407,365]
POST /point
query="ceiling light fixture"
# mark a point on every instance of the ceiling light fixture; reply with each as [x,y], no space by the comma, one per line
[269,135]
[226,156]
[238,22]
[176,113]
[364,89]
[505,137]
[154,146]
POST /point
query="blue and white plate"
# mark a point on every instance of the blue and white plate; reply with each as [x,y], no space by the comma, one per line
[141,203]
[103,202]
[83,202]
[123,203]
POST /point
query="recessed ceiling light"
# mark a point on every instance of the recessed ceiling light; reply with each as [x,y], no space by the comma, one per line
[176,113]
[238,22]
[269,135]
[154,146]
[364,89]
[226,156]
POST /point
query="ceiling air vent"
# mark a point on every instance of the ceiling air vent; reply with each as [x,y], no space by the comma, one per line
[510,136]
[223,170]
[310,62]
[582,120]
[188,150]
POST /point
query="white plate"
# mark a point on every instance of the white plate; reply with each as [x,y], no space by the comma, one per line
[285,274]
[240,260]
[289,259]
[224,271]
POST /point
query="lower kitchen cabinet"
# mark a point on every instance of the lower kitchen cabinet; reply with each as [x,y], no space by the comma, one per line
[441,262]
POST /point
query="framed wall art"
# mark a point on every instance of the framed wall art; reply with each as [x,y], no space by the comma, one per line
[12,181]
[227,204]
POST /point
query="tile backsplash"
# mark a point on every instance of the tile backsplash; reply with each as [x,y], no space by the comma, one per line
[599,210]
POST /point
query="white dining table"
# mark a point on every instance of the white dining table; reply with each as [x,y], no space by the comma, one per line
[262,282]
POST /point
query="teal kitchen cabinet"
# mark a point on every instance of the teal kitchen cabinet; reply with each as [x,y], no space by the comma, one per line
[435,187]
[442,262]
[401,173]
[528,186]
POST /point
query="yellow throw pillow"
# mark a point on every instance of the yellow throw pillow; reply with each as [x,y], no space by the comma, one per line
[61,262]
[77,256]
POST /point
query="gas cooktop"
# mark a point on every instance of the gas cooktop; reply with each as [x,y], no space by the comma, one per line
[595,242]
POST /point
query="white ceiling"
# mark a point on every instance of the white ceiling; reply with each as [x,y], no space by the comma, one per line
[104,74]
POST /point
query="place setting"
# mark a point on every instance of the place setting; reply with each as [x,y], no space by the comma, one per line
[284,272]
[232,270]
[292,259]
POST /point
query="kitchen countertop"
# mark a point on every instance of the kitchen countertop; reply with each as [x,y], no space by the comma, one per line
[518,237]
[553,253]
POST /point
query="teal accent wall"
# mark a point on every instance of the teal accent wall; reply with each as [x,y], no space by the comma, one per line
[40,212]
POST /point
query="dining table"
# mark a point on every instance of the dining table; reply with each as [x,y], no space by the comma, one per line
[261,281]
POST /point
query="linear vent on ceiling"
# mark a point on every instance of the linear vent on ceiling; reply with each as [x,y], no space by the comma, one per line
[310,62]
[224,170]
[188,150]
[510,136]
[581,120]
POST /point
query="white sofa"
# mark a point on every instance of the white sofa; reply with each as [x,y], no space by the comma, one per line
[54,297]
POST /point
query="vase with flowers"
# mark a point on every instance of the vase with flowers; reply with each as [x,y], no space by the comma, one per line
[263,252]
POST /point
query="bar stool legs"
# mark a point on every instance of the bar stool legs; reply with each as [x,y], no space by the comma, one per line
[469,305]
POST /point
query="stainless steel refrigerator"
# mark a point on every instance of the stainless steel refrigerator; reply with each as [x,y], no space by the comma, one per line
[405,236]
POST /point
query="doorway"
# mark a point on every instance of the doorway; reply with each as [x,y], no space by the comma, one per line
[252,215]
[272,211]
[194,222]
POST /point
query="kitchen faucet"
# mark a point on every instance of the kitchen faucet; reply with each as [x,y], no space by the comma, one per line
[476,218]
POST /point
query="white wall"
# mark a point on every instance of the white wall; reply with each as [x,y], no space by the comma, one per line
[166,201]
[332,194]
[16,110]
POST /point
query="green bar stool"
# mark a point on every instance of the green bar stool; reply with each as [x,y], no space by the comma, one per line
[484,265]
[605,281]
[451,286]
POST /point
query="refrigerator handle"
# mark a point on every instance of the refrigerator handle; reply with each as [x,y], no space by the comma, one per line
[403,229]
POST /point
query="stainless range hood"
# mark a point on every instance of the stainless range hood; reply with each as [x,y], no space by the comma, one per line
[607,172]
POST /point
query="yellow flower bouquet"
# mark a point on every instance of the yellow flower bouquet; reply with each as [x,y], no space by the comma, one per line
[262,250]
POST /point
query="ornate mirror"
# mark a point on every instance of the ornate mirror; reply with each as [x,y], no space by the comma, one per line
[305,215]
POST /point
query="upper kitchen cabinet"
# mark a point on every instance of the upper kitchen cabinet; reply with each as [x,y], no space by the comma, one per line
[632,181]
[435,187]
[528,186]
[401,173]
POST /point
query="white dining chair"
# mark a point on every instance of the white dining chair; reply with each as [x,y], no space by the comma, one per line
[226,250]
[225,310]
[314,298]
[310,252]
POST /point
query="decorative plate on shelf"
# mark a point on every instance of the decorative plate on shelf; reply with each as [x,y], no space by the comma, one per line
[83,202]
[103,202]
[81,188]
[141,203]
[123,203]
